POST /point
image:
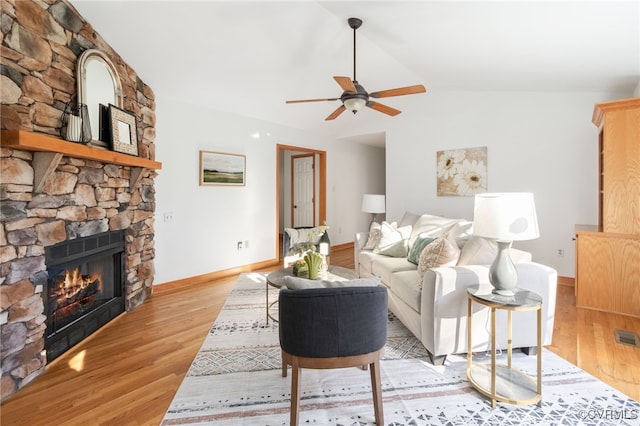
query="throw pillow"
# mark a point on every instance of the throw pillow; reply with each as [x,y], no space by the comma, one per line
[433,226]
[416,249]
[393,240]
[303,235]
[440,252]
[398,249]
[461,232]
[297,283]
[374,237]
[294,236]
[478,251]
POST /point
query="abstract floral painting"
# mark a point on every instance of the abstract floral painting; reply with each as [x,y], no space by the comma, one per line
[462,172]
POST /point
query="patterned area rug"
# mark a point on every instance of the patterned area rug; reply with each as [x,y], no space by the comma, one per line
[235,379]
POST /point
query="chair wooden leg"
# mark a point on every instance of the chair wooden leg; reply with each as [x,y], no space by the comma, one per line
[295,394]
[377,392]
[284,364]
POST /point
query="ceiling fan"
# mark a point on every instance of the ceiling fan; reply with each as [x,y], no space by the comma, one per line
[355,96]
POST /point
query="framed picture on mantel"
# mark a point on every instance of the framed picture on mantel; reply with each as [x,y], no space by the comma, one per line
[124,133]
[219,168]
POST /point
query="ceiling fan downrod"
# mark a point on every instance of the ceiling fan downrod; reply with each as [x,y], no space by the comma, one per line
[354,23]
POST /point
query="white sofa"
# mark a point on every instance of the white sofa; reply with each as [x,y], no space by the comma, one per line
[435,310]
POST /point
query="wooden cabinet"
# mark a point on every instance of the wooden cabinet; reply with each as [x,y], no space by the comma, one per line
[608,255]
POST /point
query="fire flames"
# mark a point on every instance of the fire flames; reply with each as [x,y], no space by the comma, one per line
[74,282]
[73,295]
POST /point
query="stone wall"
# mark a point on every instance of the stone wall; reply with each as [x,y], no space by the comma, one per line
[41,43]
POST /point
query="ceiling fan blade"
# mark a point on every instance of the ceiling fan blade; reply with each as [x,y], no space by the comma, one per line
[346,84]
[409,90]
[336,113]
[312,100]
[383,108]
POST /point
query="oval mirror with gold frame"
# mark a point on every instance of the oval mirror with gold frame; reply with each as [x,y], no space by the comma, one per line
[98,86]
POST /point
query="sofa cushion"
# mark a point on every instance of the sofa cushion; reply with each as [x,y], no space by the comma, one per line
[416,249]
[440,252]
[430,226]
[404,285]
[393,240]
[385,266]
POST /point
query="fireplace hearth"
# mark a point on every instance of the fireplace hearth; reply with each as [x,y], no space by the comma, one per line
[85,288]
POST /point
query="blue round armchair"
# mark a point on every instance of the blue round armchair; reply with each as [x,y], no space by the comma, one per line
[326,328]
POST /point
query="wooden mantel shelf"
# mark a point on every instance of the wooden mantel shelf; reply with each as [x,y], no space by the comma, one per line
[50,150]
[28,141]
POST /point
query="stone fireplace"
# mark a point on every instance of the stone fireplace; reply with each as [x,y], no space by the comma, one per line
[57,195]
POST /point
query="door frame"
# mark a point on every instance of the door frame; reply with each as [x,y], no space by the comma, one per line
[322,186]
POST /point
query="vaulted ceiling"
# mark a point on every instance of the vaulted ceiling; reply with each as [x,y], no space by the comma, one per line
[249,57]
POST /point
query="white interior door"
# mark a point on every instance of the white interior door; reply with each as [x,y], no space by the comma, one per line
[303,190]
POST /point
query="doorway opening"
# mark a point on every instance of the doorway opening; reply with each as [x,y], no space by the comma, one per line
[306,158]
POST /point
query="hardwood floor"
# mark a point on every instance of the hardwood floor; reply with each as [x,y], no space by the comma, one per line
[128,372]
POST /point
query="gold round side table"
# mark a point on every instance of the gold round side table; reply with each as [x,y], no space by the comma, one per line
[502,382]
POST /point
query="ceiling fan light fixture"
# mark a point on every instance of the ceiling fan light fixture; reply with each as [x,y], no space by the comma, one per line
[354,104]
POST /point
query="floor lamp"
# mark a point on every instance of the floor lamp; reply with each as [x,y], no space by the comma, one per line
[505,217]
[373,203]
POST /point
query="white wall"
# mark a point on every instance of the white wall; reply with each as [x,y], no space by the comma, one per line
[543,143]
[539,142]
[208,221]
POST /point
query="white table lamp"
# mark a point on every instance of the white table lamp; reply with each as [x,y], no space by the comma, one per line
[373,203]
[505,217]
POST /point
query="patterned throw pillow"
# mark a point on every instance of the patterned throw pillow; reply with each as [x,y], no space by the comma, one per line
[374,237]
[440,252]
[416,249]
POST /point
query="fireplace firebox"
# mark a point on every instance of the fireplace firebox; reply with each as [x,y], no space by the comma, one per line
[85,288]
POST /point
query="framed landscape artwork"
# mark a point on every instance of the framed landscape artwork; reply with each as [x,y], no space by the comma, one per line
[219,168]
[462,172]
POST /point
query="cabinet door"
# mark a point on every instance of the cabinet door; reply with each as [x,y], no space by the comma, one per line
[594,272]
[620,164]
[608,273]
[628,261]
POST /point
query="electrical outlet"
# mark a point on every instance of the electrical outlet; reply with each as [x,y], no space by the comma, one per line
[240,245]
[168,217]
[560,252]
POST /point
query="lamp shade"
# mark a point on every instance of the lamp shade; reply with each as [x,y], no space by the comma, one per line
[373,203]
[509,216]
